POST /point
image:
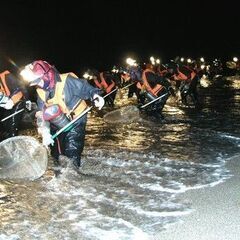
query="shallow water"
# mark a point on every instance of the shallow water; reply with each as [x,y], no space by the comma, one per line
[132,173]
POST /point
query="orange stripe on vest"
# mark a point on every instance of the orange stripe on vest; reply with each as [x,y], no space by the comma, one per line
[108,88]
[4,88]
[59,97]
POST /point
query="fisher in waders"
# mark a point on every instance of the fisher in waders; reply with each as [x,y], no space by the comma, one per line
[105,81]
[154,88]
[61,100]
[187,80]
[12,104]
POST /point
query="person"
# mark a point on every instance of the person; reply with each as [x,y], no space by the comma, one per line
[161,70]
[134,75]
[186,82]
[215,69]
[106,82]
[61,98]
[152,87]
[12,100]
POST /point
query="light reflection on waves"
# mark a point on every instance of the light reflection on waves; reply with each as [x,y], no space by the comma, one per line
[135,136]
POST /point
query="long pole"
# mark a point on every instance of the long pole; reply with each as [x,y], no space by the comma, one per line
[127,86]
[70,123]
[154,100]
[17,112]
[78,117]
[84,112]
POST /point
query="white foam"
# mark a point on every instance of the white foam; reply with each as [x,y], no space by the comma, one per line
[230,136]
[140,211]
[9,237]
[128,230]
[157,187]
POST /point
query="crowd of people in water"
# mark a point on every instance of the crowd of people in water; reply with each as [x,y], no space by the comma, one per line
[62,98]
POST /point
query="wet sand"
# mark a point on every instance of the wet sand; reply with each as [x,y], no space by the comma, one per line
[216,214]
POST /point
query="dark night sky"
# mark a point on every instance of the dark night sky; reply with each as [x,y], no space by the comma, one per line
[102,33]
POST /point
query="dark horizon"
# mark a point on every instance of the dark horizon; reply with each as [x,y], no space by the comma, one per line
[101,34]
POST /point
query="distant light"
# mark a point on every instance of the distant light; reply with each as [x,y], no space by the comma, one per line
[131,62]
[202,59]
[189,60]
[115,69]
[182,59]
[87,76]
[158,61]
[235,59]
[204,82]
[202,66]
[152,59]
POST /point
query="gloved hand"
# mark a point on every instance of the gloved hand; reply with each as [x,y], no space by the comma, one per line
[28,105]
[7,104]
[98,101]
[47,140]
[46,136]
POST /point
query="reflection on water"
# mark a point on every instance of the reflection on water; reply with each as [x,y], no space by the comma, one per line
[131,176]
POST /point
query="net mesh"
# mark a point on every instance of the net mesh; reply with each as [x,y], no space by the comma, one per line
[123,115]
[22,157]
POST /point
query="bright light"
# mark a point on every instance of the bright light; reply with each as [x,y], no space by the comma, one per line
[201,59]
[202,66]
[158,61]
[204,82]
[235,59]
[182,59]
[189,60]
[28,75]
[87,76]
[115,69]
[131,62]
[152,59]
